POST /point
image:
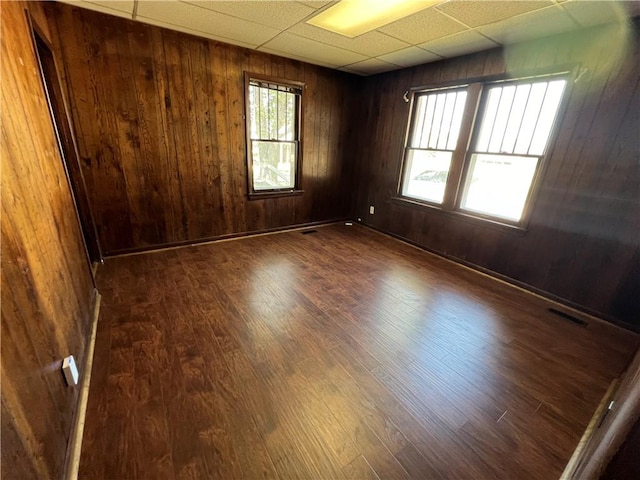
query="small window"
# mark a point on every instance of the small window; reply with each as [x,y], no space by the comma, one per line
[500,152]
[273,135]
[434,133]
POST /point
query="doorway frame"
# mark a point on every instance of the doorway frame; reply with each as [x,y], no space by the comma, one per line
[66,139]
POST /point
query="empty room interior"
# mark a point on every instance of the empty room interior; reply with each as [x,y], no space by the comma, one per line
[320,239]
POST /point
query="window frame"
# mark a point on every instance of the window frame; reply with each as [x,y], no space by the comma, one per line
[467,140]
[254,194]
[413,120]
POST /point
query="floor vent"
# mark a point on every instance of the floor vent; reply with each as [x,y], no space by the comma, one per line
[307,232]
[569,317]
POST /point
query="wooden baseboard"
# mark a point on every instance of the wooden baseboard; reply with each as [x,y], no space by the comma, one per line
[75,442]
[589,431]
[221,238]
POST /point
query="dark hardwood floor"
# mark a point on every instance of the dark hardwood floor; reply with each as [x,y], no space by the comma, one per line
[338,354]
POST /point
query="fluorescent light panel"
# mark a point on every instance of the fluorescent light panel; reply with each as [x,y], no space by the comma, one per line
[355,17]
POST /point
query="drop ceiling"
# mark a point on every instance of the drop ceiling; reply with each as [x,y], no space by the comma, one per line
[448,29]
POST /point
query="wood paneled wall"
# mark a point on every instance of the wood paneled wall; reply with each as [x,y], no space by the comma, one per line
[159,120]
[583,241]
[47,288]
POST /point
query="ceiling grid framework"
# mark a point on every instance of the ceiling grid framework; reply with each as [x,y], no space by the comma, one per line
[444,30]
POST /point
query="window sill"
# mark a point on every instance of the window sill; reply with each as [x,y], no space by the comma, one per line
[274,194]
[461,215]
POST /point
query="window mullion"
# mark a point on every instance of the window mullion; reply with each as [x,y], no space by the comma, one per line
[456,170]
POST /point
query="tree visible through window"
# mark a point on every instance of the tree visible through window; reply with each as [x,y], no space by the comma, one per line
[496,162]
[273,134]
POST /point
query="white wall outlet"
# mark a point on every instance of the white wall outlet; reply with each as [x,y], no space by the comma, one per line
[371,209]
[70,371]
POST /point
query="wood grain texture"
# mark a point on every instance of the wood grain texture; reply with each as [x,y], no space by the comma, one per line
[338,354]
[66,138]
[582,244]
[47,286]
[625,465]
[159,117]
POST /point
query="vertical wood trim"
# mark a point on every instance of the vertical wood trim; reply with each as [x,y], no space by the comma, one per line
[75,439]
[455,181]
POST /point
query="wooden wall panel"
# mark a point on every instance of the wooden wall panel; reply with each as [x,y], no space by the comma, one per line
[47,288]
[583,239]
[159,120]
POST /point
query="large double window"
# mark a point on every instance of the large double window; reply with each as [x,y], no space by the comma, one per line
[274,110]
[478,148]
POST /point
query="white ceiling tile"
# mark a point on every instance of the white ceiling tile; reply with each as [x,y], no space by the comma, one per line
[179,28]
[199,19]
[483,12]
[122,9]
[276,14]
[522,28]
[279,27]
[422,26]
[407,57]
[370,66]
[596,12]
[327,54]
[459,44]
[370,44]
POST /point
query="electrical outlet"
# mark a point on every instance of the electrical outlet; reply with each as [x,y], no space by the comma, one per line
[371,209]
[70,371]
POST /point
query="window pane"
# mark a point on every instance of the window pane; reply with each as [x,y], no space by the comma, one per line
[420,113]
[547,117]
[273,114]
[437,120]
[263,113]
[426,175]
[518,119]
[491,109]
[498,185]
[447,116]
[290,126]
[515,118]
[500,125]
[456,121]
[274,165]
[530,117]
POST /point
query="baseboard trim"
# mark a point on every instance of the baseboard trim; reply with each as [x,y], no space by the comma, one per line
[75,443]
[220,238]
[571,466]
[574,308]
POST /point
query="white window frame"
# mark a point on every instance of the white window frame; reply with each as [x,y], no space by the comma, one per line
[459,172]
